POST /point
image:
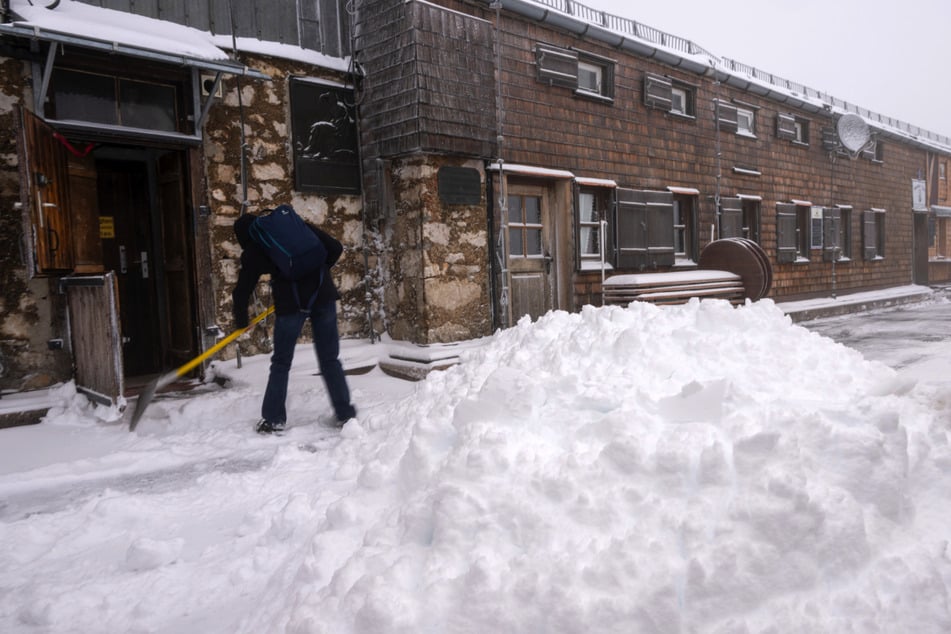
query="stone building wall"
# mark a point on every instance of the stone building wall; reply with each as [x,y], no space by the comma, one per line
[438,273]
[270,182]
[31,309]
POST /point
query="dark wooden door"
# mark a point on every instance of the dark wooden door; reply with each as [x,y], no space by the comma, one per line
[175,262]
[124,205]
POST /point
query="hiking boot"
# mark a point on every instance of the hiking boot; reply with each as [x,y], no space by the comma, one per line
[329,421]
[267,427]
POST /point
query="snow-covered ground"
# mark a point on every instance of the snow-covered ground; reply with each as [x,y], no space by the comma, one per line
[696,468]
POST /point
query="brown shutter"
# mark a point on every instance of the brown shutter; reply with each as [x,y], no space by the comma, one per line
[785,126]
[830,140]
[47,183]
[557,66]
[726,116]
[660,228]
[657,92]
[786,242]
[731,218]
[631,229]
[831,230]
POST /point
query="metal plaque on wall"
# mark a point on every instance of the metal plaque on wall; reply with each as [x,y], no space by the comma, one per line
[459,185]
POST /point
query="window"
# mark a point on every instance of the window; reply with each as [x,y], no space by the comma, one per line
[113,100]
[590,77]
[663,93]
[793,238]
[940,226]
[525,226]
[593,206]
[645,229]
[751,218]
[873,234]
[587,74]
[836,233]
[726,114]
[745,122]
[793,128]
[685,228]
[874,151]
[802,131]
[681,101]
[740,217]
[942,171]
[324,132]
[816,217]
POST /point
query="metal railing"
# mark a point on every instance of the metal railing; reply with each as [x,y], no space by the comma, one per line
[656,36]
[624,25]
[812,93]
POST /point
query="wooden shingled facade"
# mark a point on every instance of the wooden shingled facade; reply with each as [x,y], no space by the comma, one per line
[429,83]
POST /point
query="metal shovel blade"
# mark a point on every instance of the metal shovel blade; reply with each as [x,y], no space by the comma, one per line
[149,392]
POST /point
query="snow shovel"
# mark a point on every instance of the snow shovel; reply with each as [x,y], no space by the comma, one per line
[149,392]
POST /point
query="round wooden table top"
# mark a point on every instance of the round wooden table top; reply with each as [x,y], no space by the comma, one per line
[739,256]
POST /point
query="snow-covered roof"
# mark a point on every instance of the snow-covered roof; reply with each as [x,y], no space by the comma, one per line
[678,52]
[140,36]
[119,27]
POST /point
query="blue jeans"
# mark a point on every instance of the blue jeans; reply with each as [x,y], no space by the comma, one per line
[287,328]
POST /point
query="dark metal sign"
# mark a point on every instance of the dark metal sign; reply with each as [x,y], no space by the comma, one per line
[459,185]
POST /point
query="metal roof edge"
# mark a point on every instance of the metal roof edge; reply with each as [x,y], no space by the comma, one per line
[219,65]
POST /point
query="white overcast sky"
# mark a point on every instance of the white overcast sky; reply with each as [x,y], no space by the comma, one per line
[888,56]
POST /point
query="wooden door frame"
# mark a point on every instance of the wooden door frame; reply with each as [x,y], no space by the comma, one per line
[557,198]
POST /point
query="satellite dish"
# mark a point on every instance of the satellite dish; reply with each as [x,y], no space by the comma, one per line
[853,132]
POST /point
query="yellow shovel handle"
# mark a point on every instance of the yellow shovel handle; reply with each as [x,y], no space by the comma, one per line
[221,344]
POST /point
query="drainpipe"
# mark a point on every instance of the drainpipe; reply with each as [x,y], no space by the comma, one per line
[503,240]
[353,69]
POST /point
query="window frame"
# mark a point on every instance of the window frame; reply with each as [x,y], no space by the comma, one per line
[816,228]
[793,239]
[873,234]
[688,98]
[338,173]
[122,111]
[659,91]
[605,66]
[558,66]
[749,115]
[740,217]
[686,206]
[793,128]
[837,233]
[526,228]
[940,230]
[600,197]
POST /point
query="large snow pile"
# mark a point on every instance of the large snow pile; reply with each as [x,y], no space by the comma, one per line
[699,468]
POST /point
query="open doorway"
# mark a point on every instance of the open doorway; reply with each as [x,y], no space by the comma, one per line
[113,222]
[143,220]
